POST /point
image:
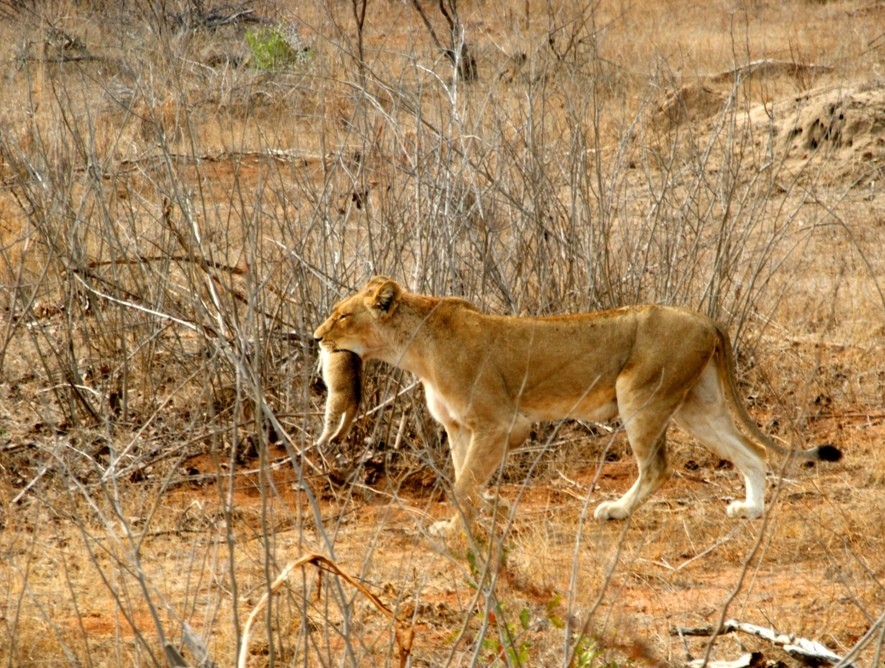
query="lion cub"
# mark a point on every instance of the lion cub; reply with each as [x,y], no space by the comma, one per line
[342,373]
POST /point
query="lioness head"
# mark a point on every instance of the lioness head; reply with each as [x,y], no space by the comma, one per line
[354,322]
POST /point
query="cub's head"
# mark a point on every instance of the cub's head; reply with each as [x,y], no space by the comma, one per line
[357,323]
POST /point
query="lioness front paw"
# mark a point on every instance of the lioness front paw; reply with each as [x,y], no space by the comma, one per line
[610,510]
[744,510]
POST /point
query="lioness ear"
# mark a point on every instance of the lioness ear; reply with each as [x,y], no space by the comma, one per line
[385,296]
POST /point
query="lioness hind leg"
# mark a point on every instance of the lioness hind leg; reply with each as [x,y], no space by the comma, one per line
[653,471]
[705,415]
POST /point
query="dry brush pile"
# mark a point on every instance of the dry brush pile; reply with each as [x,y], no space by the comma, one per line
[187,188]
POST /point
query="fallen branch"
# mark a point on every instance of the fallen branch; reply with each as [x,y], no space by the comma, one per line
[404,634]
[749,660]
[808,651]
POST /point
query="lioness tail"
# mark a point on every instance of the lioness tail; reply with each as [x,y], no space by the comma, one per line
[824,453]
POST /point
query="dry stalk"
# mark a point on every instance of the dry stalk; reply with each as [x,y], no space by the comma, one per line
[404,632]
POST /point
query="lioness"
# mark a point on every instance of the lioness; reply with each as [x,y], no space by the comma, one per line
[488,377]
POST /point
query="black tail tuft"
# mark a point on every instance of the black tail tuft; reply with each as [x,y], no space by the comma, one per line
[829,453]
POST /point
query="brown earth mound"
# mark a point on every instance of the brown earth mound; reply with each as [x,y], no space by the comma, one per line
[844,127]
[841,130]
[849,123]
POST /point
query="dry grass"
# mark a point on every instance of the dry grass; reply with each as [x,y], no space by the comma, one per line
[174,222]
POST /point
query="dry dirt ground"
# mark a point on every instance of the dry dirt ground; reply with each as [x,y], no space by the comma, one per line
[137,569]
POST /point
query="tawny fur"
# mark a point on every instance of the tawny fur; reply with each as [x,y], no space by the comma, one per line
[488,377]
[342,374]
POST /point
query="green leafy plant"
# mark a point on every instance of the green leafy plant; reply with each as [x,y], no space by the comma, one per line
[276,47]
[589,653]
[506,644]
